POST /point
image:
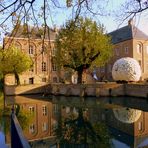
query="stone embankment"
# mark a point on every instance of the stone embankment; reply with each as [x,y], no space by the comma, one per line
[96,90]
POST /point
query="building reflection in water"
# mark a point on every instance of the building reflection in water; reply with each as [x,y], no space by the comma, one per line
[127,125]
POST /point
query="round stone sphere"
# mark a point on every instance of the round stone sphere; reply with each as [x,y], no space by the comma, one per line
[127,115]
[126,69]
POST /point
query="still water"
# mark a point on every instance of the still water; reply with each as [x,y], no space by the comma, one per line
[100,122]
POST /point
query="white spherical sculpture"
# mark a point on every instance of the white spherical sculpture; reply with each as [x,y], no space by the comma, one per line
[127,115]
[126,69]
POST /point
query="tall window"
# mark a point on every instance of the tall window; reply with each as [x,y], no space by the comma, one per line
[44,110]
[44,126]
[54,67]
[126,50]
[139,48]
[53,51]
[30,49]
[31,109]
[31,128]
[43,66]
[140,126]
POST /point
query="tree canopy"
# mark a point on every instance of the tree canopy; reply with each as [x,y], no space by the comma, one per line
[14,61]
[78,130]
[81,45]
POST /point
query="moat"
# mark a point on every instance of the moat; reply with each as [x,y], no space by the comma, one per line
[123,121]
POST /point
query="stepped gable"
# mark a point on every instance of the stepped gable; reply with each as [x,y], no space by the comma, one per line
[126,33]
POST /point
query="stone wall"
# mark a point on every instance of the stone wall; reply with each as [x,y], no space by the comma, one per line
[137,90]
[96,90]
[24,89]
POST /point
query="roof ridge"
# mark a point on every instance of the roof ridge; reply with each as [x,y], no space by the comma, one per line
[118,29]
[126,33]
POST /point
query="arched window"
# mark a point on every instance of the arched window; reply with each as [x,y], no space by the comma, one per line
[139,48]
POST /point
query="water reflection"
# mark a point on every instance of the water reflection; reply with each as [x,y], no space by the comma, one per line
[127,115]
[128,126]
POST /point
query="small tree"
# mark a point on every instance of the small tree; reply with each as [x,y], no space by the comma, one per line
[14,61]
[81,45]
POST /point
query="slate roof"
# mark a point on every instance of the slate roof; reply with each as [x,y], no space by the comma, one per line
[126,33]
[34,32]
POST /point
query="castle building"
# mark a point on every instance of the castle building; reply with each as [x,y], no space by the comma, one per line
[128,41]
[40,50]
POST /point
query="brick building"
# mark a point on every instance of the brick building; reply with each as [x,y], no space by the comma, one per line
[128,41]
[44,69]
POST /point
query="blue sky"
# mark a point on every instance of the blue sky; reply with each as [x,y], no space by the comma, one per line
[59,17]
[109,22]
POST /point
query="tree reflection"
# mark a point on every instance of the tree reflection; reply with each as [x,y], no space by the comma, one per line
[78,130]
[24,117]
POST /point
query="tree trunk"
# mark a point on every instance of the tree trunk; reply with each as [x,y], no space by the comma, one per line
[2,88]
[17,78]
[2,83]
[80,72]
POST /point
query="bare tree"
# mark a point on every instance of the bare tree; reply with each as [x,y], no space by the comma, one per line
[40,13]
[131,9]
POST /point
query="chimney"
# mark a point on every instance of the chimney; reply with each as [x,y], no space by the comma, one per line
[130,22]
